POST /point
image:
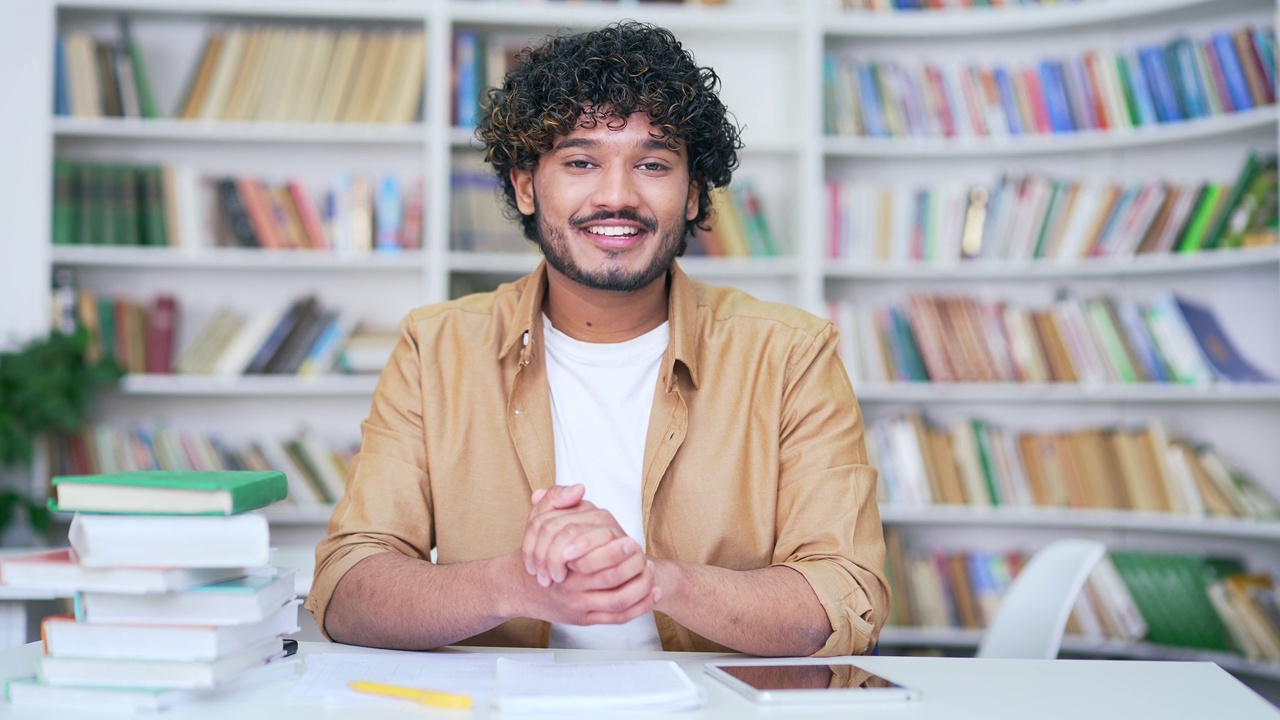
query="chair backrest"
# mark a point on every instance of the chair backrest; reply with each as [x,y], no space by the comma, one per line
[1034,612]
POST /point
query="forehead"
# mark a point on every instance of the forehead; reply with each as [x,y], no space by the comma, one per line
[635,130]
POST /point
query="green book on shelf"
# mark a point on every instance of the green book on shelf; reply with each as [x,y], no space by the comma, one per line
[163,492]
[986,456]
[1198,225]
[1213,235]
[65,210]
[1253,207]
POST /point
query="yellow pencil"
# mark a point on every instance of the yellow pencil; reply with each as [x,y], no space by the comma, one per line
[426,697]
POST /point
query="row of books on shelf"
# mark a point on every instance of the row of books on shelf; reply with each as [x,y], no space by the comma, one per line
[174,206]
[900,5]
[102,77]
[315,470]
[1103,89]
[1097,341]
[737,226]
[260,73]
[1185,601]
[175,597]
[972,462]
[1036,216]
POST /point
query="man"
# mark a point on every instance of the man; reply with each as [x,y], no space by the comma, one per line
[605,453]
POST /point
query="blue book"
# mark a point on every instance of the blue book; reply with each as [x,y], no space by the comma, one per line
[467,66]
[1142,97]
[61,95]
[1055,95]
[872,113]
[1004,87]
[388,213]
[1135,329]
[1195,94]
[1232,71]
[1151,58]
[1224,359]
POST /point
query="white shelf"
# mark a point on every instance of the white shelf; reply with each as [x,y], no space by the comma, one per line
[1267,258]
[411,135]
[993,21]
[1053,143]
[1036,393]
[1064,519]
[249,385]
[968,639]
[554,16]
[215,258]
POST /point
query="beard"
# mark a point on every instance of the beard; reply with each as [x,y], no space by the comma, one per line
[613,275]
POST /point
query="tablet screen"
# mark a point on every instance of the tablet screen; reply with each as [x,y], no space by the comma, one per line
[808,682]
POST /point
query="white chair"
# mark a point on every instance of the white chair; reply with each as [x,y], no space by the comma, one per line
[1034,612]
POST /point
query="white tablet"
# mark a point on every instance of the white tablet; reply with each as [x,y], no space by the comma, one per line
[808,681]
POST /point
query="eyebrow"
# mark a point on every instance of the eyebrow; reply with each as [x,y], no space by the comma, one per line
[652,144]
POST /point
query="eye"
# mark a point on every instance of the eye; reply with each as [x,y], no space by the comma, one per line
[577,164]
[654,166]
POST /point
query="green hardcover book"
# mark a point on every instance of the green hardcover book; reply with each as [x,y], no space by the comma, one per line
[65,209]
[128,227]
[151,198]
[987,458]
[107,319]
[1254,206]
[106,204]
[161,492]
[146,98]
[88,231]
[1136,570]
[1126,87]
[1203,214]
[1213,235]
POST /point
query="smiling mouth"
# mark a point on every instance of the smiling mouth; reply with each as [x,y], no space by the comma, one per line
[612,230]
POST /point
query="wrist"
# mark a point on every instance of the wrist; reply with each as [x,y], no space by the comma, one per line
[668,576]
[508,585]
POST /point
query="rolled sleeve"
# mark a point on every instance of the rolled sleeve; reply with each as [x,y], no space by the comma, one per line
[387,505]
[829,526]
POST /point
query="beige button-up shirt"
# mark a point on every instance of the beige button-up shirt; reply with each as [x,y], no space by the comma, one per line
[754,455]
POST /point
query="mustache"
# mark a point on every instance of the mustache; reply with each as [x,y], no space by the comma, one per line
[628,215]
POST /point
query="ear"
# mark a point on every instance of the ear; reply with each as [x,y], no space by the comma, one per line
[691,202]
[523,182]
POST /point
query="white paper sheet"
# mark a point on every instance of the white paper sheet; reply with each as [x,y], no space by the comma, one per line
[327,674]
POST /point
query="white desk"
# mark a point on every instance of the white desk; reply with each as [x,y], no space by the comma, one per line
[953,688]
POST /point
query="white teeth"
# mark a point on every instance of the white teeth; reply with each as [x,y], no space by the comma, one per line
[611,230]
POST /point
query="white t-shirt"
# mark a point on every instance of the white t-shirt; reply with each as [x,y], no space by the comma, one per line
[601,397]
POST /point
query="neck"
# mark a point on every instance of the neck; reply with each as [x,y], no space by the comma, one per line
[603,316]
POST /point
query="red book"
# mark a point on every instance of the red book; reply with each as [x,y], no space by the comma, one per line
[310,218]
[946,116]
[161,330]
[1098,91]
[411,230]
[1036,99]
[257,205]
[973,103]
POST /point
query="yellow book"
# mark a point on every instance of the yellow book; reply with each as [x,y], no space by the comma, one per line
[347,49]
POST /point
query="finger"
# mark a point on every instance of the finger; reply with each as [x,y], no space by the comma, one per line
[628,602]
[544,529]
[614,576]
[544,522]
[605,556]
[572,543]
[559,497]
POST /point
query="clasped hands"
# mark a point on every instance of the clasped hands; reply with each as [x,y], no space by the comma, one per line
[582,568]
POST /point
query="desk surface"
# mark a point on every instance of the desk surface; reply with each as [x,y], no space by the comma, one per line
[952,688]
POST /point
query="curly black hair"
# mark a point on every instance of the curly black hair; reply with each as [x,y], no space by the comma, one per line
[605,75]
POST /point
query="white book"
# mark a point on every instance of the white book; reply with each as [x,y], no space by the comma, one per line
[31,692]
[97,672]
[171,541]
[242,601]
[65,637]
[239,352]
[61,570]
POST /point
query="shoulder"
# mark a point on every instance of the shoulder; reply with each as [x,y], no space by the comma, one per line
[730,309]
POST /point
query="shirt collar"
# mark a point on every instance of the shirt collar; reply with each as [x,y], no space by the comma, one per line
[682,313]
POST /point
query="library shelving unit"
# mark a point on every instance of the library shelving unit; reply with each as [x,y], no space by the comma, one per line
[770,58]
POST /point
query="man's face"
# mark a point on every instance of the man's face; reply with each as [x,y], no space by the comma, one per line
[611,204]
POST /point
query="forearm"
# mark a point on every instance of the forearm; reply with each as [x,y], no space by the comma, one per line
[771,611]
[393,601]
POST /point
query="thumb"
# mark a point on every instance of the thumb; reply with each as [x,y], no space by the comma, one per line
[566,496]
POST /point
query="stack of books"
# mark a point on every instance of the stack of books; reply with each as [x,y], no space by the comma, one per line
[175,598]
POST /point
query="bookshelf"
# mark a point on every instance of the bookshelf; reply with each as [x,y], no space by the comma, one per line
[770,57]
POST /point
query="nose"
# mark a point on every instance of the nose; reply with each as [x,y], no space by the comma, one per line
[617,188]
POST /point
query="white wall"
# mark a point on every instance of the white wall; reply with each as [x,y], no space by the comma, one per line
[26,36]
